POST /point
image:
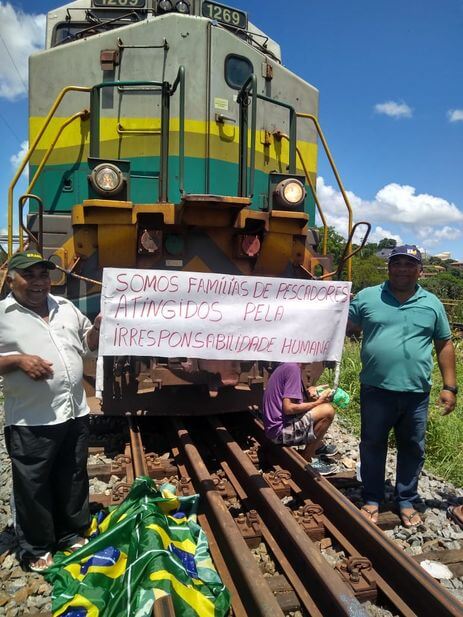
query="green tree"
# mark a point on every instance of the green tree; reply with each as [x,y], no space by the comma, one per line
[387,243]
[335,244]
[367,271]
[369,249]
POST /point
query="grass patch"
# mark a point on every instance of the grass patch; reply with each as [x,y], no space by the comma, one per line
[444,451]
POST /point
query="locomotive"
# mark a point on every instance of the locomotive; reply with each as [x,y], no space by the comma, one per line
[168,135]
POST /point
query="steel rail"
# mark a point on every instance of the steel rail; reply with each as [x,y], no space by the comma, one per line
[332,595]
[424,595]
[384,588]
[259,601]
[299,588]
[219,561]
[140,467]
[392,597]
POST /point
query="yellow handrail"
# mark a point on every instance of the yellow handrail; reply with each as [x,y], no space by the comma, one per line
[280,135]
[26,159]
[84,114]
[338,179]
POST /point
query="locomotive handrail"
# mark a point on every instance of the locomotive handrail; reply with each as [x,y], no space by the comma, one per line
[95,97]
[26,159]
[345,254]
[338,179]
[180,80]
[83,115]
[250,87]
[39,239]
[280,135]
[163,45]
[243,136]
[121,130]
[166,92]
[348,253]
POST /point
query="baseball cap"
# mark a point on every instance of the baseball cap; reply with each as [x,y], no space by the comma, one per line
[409,250]
[26,259]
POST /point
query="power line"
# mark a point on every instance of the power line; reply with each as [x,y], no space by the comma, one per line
[13,132]
[14,63]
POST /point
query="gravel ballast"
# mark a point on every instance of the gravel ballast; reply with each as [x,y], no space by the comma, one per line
[25,594]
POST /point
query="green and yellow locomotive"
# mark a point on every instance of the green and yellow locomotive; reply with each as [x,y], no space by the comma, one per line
[167,134]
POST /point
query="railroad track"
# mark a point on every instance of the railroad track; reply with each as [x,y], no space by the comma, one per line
[259,497]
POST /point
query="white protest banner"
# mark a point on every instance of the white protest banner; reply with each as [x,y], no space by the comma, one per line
[215,316]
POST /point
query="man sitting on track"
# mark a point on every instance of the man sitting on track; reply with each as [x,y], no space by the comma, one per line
[293,418]
[401,322]
[42,341]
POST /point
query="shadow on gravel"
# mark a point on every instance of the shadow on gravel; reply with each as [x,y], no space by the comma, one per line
[7,540]
[448,499]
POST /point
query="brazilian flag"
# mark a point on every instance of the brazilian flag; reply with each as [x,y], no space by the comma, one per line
[149,546]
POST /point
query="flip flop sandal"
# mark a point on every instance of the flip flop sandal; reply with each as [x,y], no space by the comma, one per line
[35,565]
[370,512]
[407,519]
[455,513]
[76,546]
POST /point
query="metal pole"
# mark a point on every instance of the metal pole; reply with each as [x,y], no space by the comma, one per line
[253,137]
[95,122]
[293,140]
[180,79]
[165,117]
[242,163]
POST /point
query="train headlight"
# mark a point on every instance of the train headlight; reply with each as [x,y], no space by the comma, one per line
[107,178]
[165,6]
[289,193]
[182,7]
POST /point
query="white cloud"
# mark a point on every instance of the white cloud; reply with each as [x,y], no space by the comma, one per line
[394,110]
[416,217]
[21,34]
[400,204]
[455,115]
[432,236]
[17,159]
[379,233]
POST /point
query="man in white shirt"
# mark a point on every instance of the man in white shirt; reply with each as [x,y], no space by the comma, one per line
[42,341]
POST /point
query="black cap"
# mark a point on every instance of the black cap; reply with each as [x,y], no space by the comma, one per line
[409,250]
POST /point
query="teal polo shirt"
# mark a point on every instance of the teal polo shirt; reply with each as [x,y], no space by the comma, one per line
[398,338]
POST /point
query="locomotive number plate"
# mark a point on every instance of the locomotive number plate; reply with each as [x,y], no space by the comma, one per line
[130,4]
[225,15]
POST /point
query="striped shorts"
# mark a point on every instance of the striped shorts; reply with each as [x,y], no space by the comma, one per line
[298,431]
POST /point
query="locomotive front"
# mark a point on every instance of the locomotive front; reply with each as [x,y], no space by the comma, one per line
[167,135]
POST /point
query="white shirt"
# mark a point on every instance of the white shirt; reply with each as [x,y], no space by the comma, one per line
[62,340]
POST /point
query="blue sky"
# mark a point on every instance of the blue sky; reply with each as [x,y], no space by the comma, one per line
[391,104]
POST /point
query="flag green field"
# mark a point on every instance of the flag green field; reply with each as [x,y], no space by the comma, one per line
[149,546]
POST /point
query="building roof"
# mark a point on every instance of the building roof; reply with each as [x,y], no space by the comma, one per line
[383,253]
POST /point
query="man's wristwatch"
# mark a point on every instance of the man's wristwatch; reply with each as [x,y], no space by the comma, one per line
[453,389]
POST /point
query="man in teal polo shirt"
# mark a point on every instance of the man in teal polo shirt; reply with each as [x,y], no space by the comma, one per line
[400,322]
